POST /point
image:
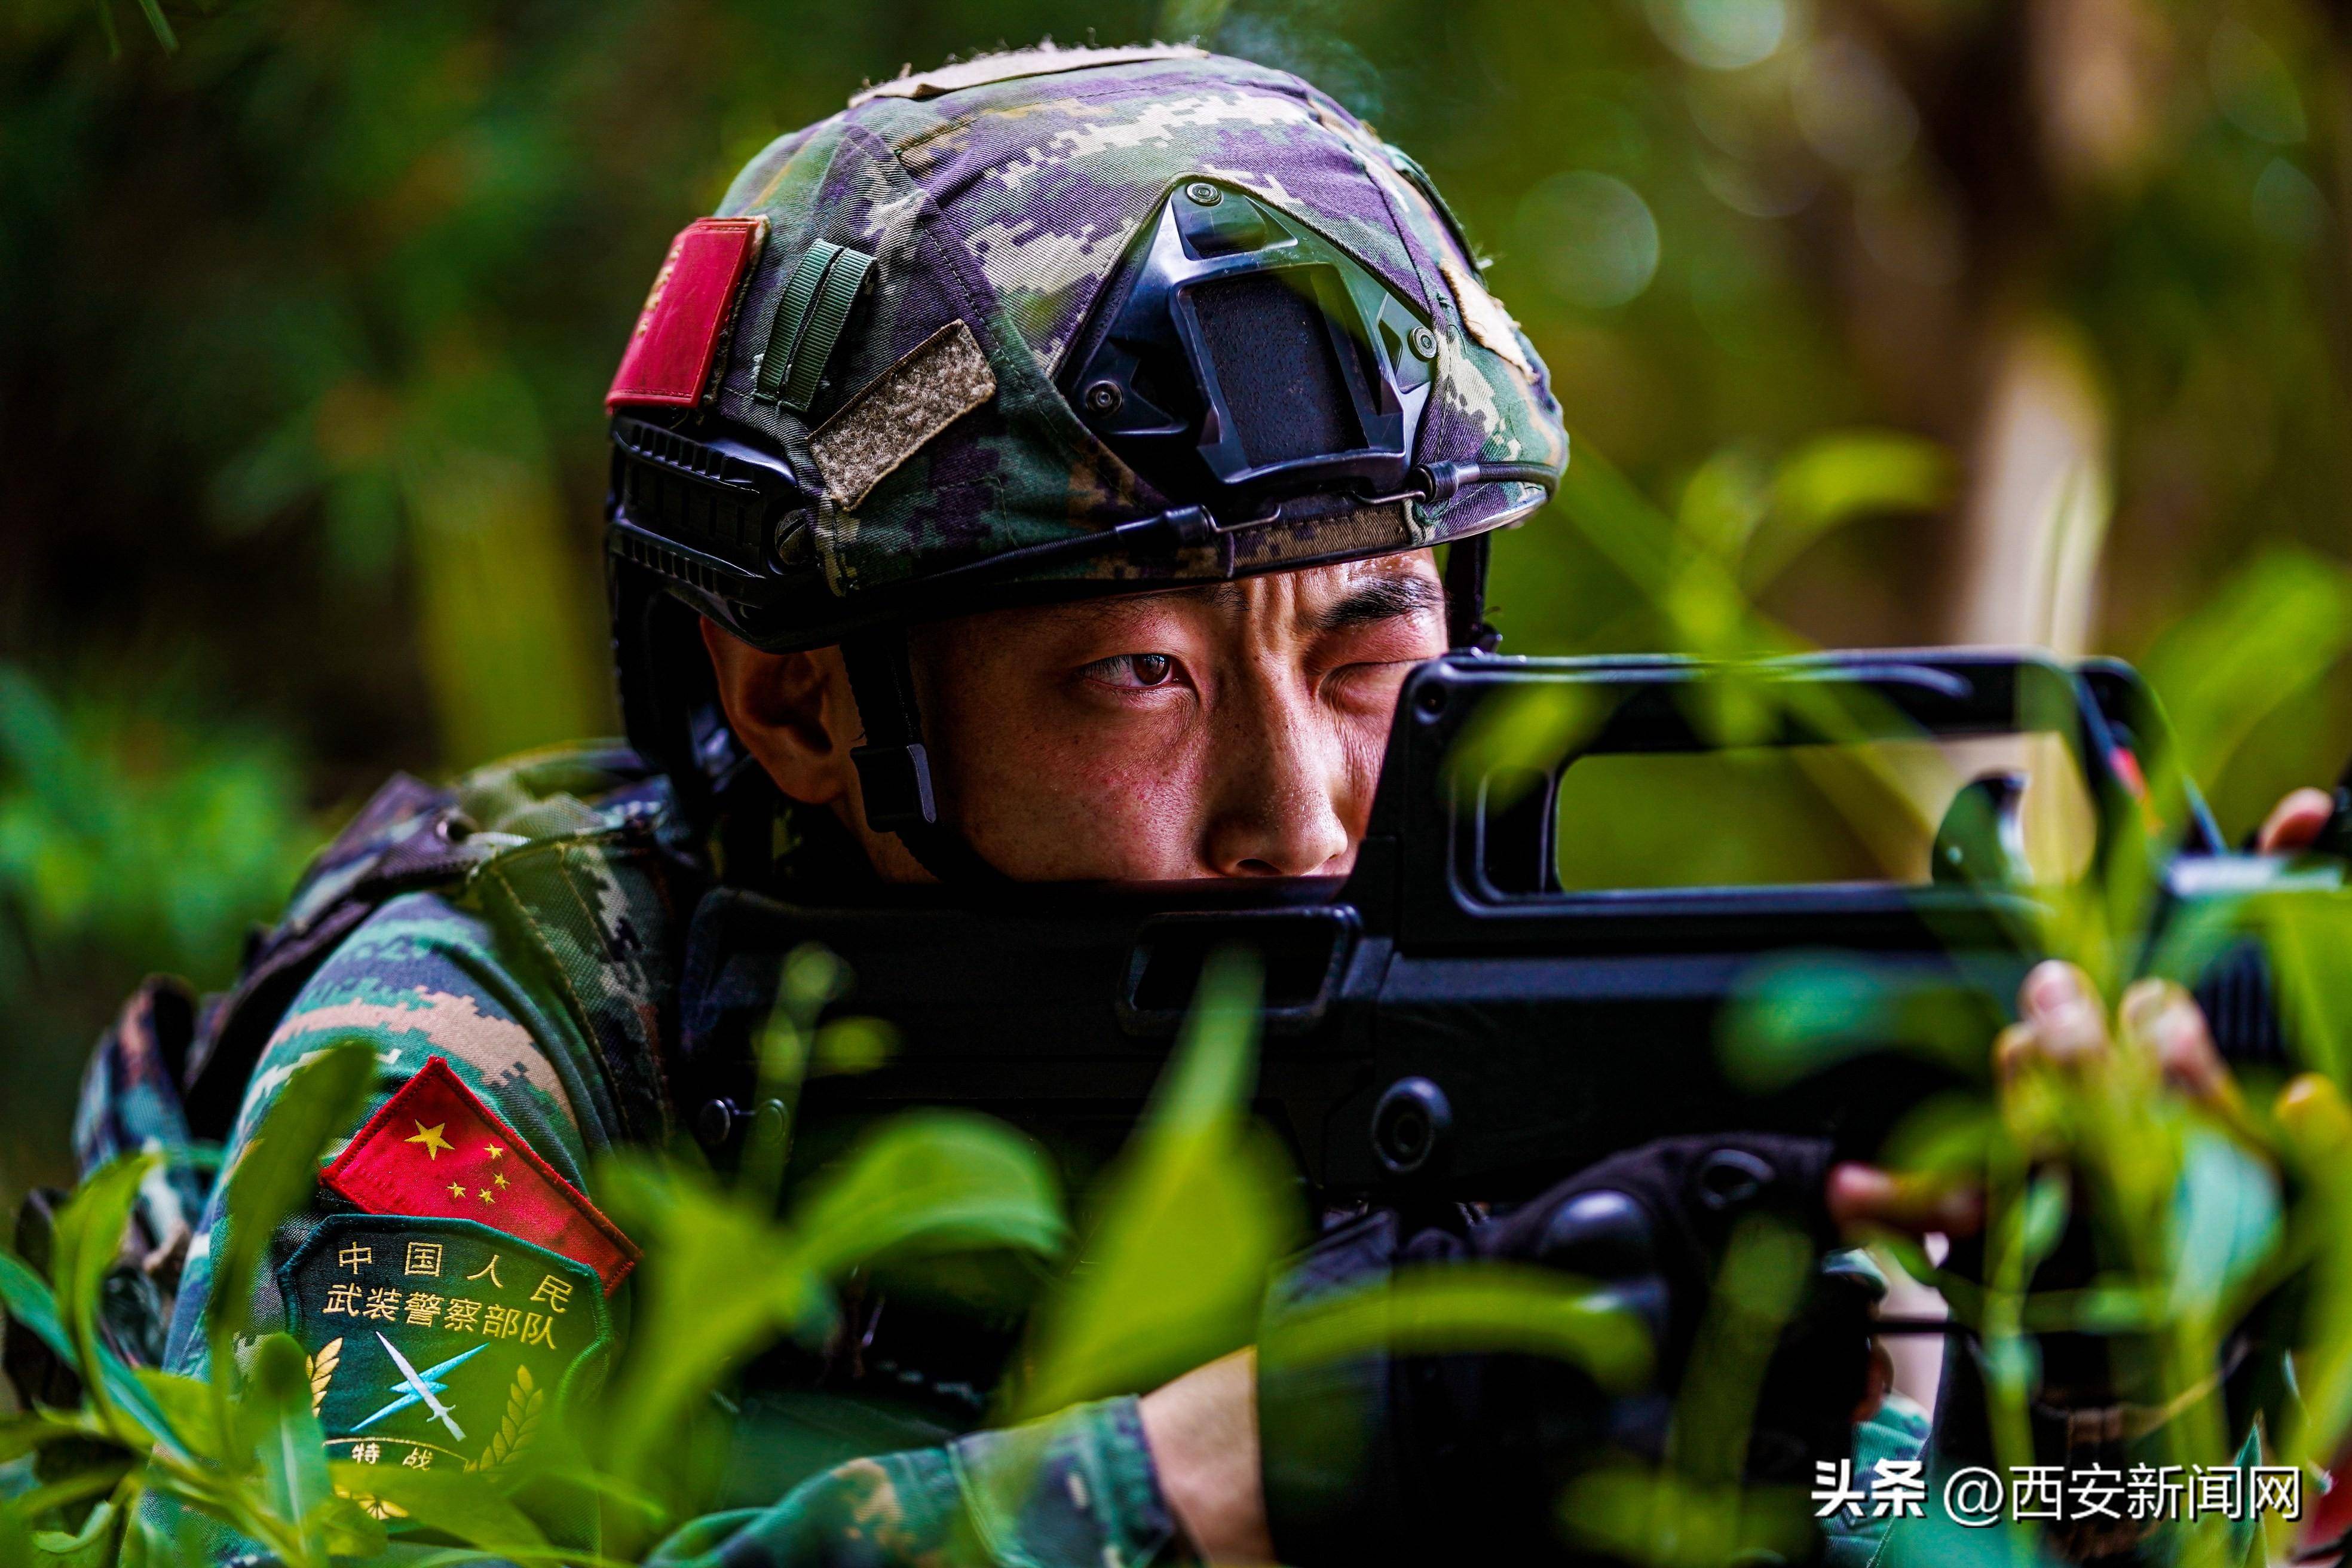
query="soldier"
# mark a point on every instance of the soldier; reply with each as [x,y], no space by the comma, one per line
[984,506]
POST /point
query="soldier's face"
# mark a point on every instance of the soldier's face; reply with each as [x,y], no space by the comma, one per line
[1231,730]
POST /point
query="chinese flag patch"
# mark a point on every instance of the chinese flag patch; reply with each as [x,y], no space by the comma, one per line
[436,1151]
[685,317]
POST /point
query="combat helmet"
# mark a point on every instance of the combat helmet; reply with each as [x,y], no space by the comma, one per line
[1042,325]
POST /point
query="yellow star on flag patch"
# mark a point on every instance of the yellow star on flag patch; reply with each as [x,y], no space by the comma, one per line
[432,1140]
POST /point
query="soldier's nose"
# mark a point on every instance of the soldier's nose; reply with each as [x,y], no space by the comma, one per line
[1277,805]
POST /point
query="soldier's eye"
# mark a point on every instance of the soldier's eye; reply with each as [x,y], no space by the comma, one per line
[1134,671]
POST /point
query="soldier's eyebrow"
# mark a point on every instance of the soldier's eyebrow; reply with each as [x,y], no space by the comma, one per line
[1388,597]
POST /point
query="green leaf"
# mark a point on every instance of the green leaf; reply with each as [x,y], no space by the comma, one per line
[2226,1221]
[650,1513]
[1186,1226]
[277,1172]
[1516,740]
[852,1046]
[32,1307]
[1724,501]
[930,1181]
[2272,630]
[813,976]
[456,1504]
[153,11]
[1673,1521]
[2309,941]
[85,1244]
[1840,477]
[1491,1306]
[2043,1217]
[20,1434]
[283,1441]
[721,1279]
[91,1546]
[187,1403]
[1790,1017]
[718,1282]
[349,1530]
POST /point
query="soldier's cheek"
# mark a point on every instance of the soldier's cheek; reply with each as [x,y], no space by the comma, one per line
[1363,749]
[1143,813]
[1093,806]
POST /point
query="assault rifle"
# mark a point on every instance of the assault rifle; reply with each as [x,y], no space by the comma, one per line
[1548,947]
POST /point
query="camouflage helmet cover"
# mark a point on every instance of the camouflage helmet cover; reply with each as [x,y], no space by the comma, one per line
[997,199]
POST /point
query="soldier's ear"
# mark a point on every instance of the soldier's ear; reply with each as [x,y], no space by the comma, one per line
[794,711]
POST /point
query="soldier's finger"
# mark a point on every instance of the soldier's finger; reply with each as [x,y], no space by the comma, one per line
[1880,1384]
[2058,1006]
[2013,1048]
[2293,822]
[2317,1123]
[1860,1196]
[2163,1019]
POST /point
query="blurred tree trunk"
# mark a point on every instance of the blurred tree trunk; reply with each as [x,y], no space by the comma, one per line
[2030,114]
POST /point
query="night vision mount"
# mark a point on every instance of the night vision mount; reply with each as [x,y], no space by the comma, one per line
[1243,355]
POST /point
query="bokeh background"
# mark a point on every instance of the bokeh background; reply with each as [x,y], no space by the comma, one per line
[2011,321]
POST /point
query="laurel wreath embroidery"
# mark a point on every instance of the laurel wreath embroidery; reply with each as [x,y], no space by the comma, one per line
[379,1508]
[526,1402]
[323,1372]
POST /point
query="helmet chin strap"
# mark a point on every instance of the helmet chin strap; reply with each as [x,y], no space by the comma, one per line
[1465,596]
[894,769]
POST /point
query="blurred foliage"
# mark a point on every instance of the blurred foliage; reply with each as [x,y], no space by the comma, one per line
[130,840]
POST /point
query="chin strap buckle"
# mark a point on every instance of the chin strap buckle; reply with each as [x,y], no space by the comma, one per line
[895,781]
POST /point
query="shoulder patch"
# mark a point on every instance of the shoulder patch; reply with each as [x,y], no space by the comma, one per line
[440,1343]
[686,314]
[435,1152]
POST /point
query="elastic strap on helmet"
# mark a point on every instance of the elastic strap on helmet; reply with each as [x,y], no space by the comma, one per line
[893,770]
[1465,596]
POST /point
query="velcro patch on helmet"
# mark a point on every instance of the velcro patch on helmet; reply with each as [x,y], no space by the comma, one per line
[687,313]
[891,418]
[1483,314]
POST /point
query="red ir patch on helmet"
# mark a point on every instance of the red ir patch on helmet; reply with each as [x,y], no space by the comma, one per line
[669,356]
[435,1152]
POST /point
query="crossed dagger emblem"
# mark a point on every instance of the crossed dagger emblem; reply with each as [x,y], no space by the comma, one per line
[425,1387]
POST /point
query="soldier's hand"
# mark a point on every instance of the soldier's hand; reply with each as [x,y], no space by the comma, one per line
[2065,1025]
[1652,1229]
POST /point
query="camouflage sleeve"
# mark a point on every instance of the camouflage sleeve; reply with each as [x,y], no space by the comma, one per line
[485,1297]
[424,977]
[1076,1491]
